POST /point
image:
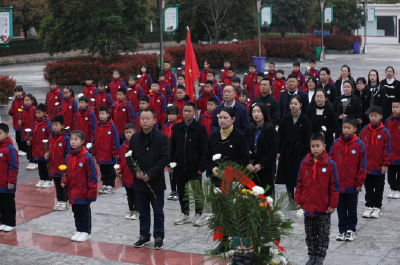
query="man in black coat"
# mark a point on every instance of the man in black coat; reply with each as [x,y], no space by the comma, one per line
[269,101]
[149,150]
[331,90]
[188,143]
[284,100]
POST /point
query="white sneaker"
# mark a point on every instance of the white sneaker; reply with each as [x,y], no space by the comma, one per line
[108,190]
[8,229]
[197,220]
[350,235]
[341,237]
[182,220]
[368,212]
[47,184]
[40,184]
[21,153]
[57,206]
[2,227]
[391,194]
[75,237]
[29,167]
[128,215]
[135,215]
[34,166]
[376,213]
[103,189]
[63,206]
[396,195]
[83,237]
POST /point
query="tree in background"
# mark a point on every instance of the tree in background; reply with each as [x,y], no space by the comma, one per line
[100,26]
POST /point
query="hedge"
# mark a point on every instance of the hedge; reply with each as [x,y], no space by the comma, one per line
[7,86]
[340,42]
[22,47]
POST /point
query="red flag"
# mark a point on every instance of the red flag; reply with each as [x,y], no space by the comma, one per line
[191,68]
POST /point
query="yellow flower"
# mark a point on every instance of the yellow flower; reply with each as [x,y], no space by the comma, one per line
[262,204]
[62,167]
[19,110]
[244,191]
[274,262]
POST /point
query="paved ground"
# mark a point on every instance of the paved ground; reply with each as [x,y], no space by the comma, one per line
[376,242]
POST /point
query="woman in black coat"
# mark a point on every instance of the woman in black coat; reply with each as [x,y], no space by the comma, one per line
[364,93]
[345,76]
[322,115]
[263,141]
[294,144]
[347,105]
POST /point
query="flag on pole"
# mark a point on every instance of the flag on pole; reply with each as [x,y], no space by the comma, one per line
[191,68]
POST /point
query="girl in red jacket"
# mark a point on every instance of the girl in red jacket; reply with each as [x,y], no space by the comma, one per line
[28,117]
[116,84]
[103,98]
[90,89]
[52,97]
[15,112]
[69,107]
[145,80]
[81,183]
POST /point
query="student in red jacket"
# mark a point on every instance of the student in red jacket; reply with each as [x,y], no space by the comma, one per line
[181,69]
[300,77]
[224,71]
[231,74]
[58,147]
[392,124]
[103,98]
[85,120]
[125,175]
[204,73]
[169,76]
[311,68]
[144,103]
[243,98]
[207,117]
[279,85]
[180,82]
[304,87]
[116,84]
[145,80]
[165,87]
[250,79]
[81,183]
[271,74]
[317,193]
[8,180]
[69,107]
[105,149]
[41,129]
[203,99]
[90,90]
[348,152]
[181,99]
[28,117]
[134,92]
[216,86]
[158,104]
[122,113]
[256,91]
[15,112]
[376,139]
[54,96]
[236,86]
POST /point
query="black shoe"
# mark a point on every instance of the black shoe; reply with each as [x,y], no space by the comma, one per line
[158,243]
[222,248]
[311,261]
[319,261]
[142,242]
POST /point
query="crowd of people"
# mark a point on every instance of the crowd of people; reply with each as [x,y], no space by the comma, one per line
[330,138]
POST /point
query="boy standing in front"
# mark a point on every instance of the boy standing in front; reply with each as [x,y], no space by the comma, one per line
[377,145]
[317,193]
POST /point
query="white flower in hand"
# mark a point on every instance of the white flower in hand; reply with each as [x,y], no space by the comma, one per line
[217,190]
[116,166]
[45,141]
[273,251]
[216,157]
[10,98]
[28,130]
[323,128]
[280,215]
[172,165]
[89,145]
[80,95]
[257,190]
[269,200]
[139,76]
[92,99]
[67,128]
[129,153]
[300,213]
[57,103]
[283,261]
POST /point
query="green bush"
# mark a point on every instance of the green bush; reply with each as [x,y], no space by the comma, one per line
[7,86]
[22,47]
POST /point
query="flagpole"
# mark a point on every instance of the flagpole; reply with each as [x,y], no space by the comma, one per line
[161,5]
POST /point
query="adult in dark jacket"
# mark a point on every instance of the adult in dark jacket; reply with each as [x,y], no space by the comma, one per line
[150,149]
[241,114]
[322,115]
[268,100]
[345,76]
[364,94]
[392,91]
[294,145]
[331,91]
[378,93]
[347,105]
[312,86]
[263,141]
[284,100]
[188,142]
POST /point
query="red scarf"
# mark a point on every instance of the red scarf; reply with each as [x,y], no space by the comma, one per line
[37,124]
[66,104]
[374,136]
[55,143]
[81,116]
[346,144]
[314,169]
[81,153]
[57,90]
[27,110]
[117,105]
[169,130]
[208,124]
[132,90]
[101,129]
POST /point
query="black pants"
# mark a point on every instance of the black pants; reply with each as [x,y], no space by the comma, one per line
[28,151]
[172,180]
[43,171]
[131,197]
[18,139]
[347,211]
[183,178]
[317,234]
[374,186]
[7,209]
[83,217]
[60,191]
[108,175]
[394,177]
[144,200]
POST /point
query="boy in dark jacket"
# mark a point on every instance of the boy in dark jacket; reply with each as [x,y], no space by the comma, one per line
[376,139]
[81,183]
[85,120]
[207,117]
[105,149]
[348,152]
[8,180]
[158,103]
[52,97]
[317,193]
[392,124]
[122,113]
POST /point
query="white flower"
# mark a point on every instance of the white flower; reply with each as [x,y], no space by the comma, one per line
[273,251]
[248,100]
[265,73]
[10,98]
[222,70]
[250,152]
[172,165]
[179,68]
[129,153]
[308,68]
[280,215]
[45,141]
[88,145]
[139,76]
[202,84]
[258,190]
[283,261]
[170,105]
[216,157]
[269,200]
[67,128]
[129,89]
[230,253]
[209,217]
[116,166]
[92,99]
[217,190]
[344,100]
[245,73]
[300,213]
[28,130]
[57,103]
[80,95]
[323,128]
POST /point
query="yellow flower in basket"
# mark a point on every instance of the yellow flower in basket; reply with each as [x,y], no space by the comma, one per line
[62,167]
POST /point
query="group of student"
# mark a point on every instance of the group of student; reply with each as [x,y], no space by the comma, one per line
[264,118]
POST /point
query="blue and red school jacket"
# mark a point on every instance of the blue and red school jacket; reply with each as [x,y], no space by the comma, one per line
[127,176]
[223,75]
[68,109]
[41,129]
[255,93]
[170,79]
[206,120]
[167,128]
[103,99]
[115,85]
[122,114]
[246,104]
[202,101]
[9,166]
[28,118]
[180,70]
[217,89]
[277,87]
[272,76]
[17,103]
[376,140]
[314,72]
[159,105]
[227,81]
[105,143]
[145,83]
[304,87]
[85,121]
[52,97]
[392,124]
[90,91]
[137,122]
[203,75]
[134,93]
[58,147]
[300,78]
[351,161]
[165,89]
[81,177]
[249,82]
[180,103]
[317,185]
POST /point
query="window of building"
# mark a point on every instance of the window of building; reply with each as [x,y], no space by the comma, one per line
[383,26]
